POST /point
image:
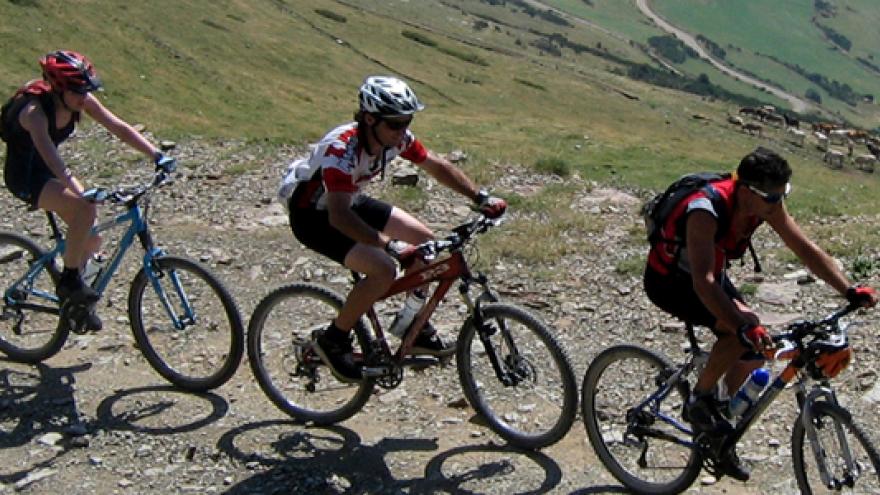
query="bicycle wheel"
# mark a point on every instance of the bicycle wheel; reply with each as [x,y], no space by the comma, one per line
[290,373]
[838,439]
[200,347]
[638,440]
[29,329]
[538,402]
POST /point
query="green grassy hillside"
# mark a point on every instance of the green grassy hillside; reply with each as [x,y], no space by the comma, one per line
[509,84]
[773,39]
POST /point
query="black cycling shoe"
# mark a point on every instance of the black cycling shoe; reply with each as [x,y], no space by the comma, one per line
[338,355]
[703,414]
[85,297]
[430,344]
[731,465]
[76,293]
[92,321]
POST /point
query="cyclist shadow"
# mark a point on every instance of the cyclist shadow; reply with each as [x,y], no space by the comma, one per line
[34,402]
[159,410]
[316,459]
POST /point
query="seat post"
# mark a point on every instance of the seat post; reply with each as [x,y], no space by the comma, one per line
[692,336]
[53,226]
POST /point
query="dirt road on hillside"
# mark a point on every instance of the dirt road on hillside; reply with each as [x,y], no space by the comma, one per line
[797,104]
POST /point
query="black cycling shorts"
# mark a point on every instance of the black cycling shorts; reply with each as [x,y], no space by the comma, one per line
[312,227]
[25,175]
[674,293]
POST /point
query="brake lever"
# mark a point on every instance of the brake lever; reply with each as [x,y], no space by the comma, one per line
[96,195]
[428,251]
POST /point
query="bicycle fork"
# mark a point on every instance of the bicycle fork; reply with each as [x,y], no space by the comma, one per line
[155,273]
[513,369]
[806,401]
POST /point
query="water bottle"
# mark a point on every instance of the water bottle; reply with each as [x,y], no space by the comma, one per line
[404,318]
[93,269]
[749,392]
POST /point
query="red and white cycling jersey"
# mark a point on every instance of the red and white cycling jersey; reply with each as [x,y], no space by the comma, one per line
[345,165]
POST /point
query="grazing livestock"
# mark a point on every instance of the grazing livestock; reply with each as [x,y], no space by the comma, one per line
[824,127]
[735,120]
[833,158]
[865,162]
[873,148]
[796,136]
[838,136]
[821,140]
[791,121]
[753,128]
[858,136]
[748,111]
[774,118]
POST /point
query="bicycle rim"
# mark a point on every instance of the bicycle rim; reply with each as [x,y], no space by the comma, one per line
[537,407]
[206,351]
[287,369]
[836,434]
[618,380]
[27,335]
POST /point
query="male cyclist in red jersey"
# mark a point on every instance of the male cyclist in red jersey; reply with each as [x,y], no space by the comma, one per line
[329,214]
[686,277]
[41,115]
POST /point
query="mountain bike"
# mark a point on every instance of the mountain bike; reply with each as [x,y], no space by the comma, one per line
[513,371]
[633,399]
[183,319]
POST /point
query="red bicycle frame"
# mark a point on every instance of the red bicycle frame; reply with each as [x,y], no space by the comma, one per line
[446,271]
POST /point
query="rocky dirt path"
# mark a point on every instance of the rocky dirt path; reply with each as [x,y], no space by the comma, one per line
[97,419]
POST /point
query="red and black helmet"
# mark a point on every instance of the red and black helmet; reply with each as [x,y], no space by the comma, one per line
[68,70]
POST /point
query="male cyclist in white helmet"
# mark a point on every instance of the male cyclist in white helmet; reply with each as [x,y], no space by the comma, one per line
[330,215]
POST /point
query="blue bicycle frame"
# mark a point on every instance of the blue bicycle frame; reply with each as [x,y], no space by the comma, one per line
[137,226]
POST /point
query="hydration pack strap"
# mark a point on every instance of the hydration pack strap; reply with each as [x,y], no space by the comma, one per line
[754,257]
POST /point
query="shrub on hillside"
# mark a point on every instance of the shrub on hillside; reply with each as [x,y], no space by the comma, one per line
[671,48]
[333,16]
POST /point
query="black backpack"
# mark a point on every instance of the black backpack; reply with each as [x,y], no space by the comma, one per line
[32,89]
[656,211]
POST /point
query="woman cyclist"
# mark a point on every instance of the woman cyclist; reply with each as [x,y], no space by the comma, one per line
[329,214]
[38,118]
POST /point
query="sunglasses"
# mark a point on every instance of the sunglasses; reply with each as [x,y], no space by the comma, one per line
[397,124]
[771,198]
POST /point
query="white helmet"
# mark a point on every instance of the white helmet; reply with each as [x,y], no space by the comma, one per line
[388,96]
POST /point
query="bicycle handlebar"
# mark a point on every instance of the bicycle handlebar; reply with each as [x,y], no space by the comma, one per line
[457,239]
[800,330]
[125,195]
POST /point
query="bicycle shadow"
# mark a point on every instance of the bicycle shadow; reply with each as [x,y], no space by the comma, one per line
[158,409]
[304,459]
[33,404]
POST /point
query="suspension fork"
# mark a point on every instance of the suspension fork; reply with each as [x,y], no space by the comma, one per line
[823,393]
[484,331]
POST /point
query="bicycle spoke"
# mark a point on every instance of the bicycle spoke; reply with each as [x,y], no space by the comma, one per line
[286,367]
[847,454]
[518,377]
[187,325]
[639,440]
[28,317]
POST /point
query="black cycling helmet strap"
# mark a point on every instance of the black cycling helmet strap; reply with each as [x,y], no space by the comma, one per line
[383,158]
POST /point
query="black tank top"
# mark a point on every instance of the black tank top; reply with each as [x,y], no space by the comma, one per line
[20,138]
